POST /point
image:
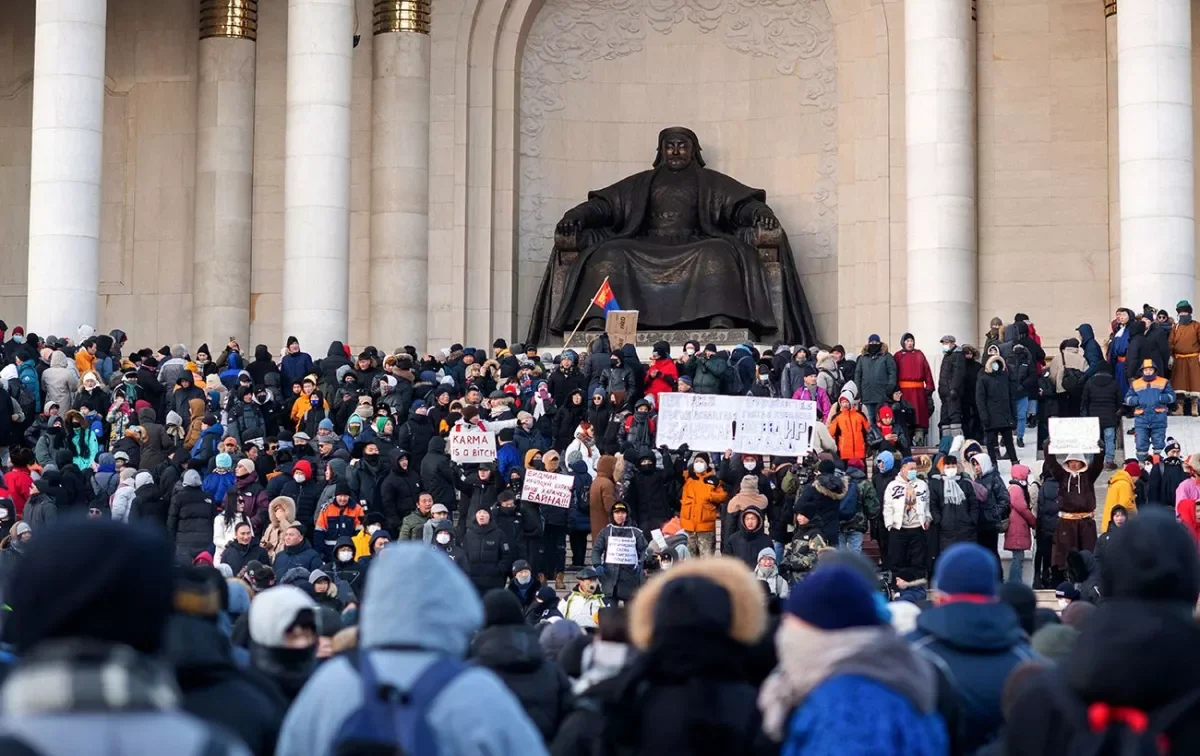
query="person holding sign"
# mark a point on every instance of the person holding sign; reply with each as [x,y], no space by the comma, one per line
[1151,396]
[619,550]
[1076,480]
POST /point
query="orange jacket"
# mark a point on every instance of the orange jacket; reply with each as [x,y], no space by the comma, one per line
[84,361]
[698,503]
[849,430]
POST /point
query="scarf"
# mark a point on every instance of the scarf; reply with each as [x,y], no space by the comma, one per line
[77,675]
[1185,318]
[808,656]
[951,492]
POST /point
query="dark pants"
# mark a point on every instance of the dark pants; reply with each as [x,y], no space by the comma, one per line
[990,540]
[554,546]
[1044,573]
[908,552]
[993,445]
[578,547]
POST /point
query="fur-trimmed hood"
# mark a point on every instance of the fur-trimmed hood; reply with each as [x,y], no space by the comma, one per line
[827,486]
[883,349]
[283,510]
[987,364]
[749,620]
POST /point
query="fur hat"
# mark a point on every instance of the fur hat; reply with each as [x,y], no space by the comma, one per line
[698,583]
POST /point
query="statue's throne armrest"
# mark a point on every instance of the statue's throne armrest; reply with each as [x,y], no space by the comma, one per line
[767,242]
[568,246]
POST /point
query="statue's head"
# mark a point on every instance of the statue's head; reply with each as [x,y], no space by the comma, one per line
[677,148]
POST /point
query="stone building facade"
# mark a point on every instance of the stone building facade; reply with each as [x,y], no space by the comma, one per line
[196,169]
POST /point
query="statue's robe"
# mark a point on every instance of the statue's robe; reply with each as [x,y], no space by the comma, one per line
[678,247]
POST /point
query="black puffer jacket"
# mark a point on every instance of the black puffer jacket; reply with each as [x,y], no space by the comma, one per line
[489,556]
[328,366]
[1101,397]
[399,490]
[190,519]
[819,502]
[437,477]
[994,396]
[652,495]
[513,653]
[746,543]
[955,523]
[414,436]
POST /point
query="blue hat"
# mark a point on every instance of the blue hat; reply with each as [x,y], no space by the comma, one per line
[886,462]
[834,598]
[416,405]
[907,461]
[224,461]
[873,337]
[325,425]
[966,568]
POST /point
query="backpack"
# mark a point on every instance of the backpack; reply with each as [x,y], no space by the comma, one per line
[1072,380]
[23,397]
[1047,510]
[848,506]
[737,382]
[838,383]
[996,508]
[391,722]
[1100,729]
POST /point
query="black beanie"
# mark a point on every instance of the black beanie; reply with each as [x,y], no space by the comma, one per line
[292,340]
[501,607]
[1151,558]
[96,579]
[340,488]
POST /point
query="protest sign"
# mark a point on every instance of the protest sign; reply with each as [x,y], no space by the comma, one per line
[621,550]
[547,488]
[621,326]
[659,539]
[471,444]
[1074,435]
[745,424]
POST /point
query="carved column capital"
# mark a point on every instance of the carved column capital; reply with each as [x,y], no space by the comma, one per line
[237,19]
[401,16]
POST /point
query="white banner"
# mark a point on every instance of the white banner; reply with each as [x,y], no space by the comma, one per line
[551,489]
[471,444]
[621,550]
[745,424]
[1074,435]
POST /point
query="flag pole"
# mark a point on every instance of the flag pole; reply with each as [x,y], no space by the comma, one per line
[588,309]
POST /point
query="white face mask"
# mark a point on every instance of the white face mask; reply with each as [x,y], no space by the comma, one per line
[665,565]
[950,472]
[750,464]
[699,467]
[1062,603]
[523,579]
[345,555]
[443,538]
[298,477]
[689,350]
[372,528]
[947,348]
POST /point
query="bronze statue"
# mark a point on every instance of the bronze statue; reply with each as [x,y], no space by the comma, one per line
[679,244]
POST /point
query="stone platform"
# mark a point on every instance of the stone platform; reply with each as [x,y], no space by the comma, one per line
[647,339]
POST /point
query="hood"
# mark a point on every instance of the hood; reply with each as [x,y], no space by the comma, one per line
[174,418]
[983,627]
[446,525]
[336,349]
[883,349]
[283,509]
[418,597]
[8,372]
[606,465]
[985,463]
[754,511]
[995,358]
[1086,333]
[508,648]
[340,469]
[262,353]
[831,485]
[437,445]
[143,479]
[346,541]
[58,360]
[146,415]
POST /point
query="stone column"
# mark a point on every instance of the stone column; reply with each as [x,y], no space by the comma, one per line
[400,174]
[316,193]
[1114,161]
[1154,90]
[939,44]
[65,166]
[224,170]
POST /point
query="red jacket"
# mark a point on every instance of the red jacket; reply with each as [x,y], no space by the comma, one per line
[18,481]
[661,378]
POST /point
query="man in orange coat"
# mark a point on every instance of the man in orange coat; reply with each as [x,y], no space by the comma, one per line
[849,429]
[702,493]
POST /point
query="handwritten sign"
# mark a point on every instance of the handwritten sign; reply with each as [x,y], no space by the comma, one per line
[621,550]
[621,326]
[1074,435]
[547,488]
[659,539]
[471,444]
[745,424]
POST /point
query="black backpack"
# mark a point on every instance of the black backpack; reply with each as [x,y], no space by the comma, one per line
[392,722]
[1100,729]
[1073,380]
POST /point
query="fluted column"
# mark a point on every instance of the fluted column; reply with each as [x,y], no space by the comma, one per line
[65,165]
[939,44]
[224,170]
[1154,91]
[1114,158]
[316,198]
[400,173]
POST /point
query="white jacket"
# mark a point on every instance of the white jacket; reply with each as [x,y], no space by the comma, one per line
[222,535]
[895,498]
[122,500]
[581,609]
[589,456]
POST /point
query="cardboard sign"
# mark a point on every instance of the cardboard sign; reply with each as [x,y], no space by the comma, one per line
[745,424]
[659,539]
[1074,435]
[621,550]
[621,326]
[471,444]
[547,488]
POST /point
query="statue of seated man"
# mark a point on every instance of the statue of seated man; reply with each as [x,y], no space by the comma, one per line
[676,243]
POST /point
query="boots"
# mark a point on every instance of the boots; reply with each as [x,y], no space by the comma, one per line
[560,582]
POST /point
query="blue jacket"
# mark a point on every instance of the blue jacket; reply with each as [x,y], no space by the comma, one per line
[29,379]
[303,556]
[1092,353]
[830,722]
[216,484]
[508,458]
[579,518]
[293,367]
[1150,398]
[416,599]
[206,446]
[976,646]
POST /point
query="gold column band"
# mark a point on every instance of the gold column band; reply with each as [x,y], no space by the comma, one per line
[229,18]
[401,16]
[1110,8]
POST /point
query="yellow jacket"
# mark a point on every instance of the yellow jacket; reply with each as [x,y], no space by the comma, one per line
[362,544]
[1120,491]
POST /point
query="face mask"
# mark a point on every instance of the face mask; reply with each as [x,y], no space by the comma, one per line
[298,477]
[371,529]
[993,368]
[1062,603]
[947,348]
[345,556]
[443,538]
[750,465]
[523,580]
[873,348]
[665,565]
[689,350]
[950,472]
[370,457]
[19,339]
[699,467]
[911,475]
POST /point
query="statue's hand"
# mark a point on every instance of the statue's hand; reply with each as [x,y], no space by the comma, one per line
[568,226]
[765,219]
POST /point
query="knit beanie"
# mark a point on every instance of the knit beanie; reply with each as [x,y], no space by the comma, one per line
[245,466]
[834,598]
[224,461]
[501,607]
[1152,558]
[966,569]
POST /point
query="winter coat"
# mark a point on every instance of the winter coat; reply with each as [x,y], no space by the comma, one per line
[815,394]
[399,491]
[156,444]
[437,477]
[149,506]
[662,378]
[476,494]
[952,378]
[819,502]
[618,377]
[745,544]
[875,375]
[1076,493]
[300,555]
[710,373]
[540,685]
[489,556]
[1153,344]
[579,519]
[293,368]
[1185,348]
[603,494]
[566,419]
[327,366]
[620,580]
[955,523]
[699,500]
[1021,520]
[849,429]
[1101,398]
[648,496]
[1150,398]
[237,556]
[1165,478]
[995,397]
[522,527]
[979,645]
[60,383]
[895,501]
[189,521]
[282,513]
[1120,494]
[915,380]
[1069,357]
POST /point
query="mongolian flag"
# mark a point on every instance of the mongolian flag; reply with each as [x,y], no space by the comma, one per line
[605,299]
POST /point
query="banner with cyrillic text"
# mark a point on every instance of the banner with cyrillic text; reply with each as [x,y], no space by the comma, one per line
[745,424]
[471,444]
[551,489]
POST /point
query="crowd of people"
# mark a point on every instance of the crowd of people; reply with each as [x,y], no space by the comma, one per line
[280,554]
